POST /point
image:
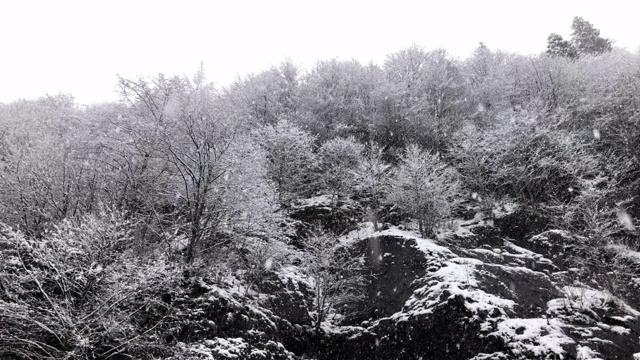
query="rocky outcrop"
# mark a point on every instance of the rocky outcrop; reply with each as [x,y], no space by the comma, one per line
[473,293]
[482,299]
[337,215]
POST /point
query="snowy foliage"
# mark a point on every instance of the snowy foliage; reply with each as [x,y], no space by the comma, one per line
[424,187]
[74,293]
[372,180]
[291,160]
[335,275]
[337,160]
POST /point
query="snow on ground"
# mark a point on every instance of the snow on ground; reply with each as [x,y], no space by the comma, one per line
[293,273]
[231,290]
[366,231]
[620,330]
[504,209]
[543,238]
[329,327]
[534,336]
[492,356]
[226,348]
[515,269]
[588,298]
[455,278]
[462,228]
[586,353]
[524,253]
[625,252]
[230,348]
[427,246]
[599,341]
[316,201]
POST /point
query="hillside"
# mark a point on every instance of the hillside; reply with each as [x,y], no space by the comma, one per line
[426,208]
[472,292]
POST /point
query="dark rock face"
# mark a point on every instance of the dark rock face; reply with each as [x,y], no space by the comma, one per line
[205,318]
[522,223]
[506,309]
[553,244]
[337,216]
[287,300]
[479,296]
[449,333]
[391,265]
[530,290]
[398,268]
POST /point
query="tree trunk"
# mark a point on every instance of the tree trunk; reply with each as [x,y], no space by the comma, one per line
[371,214]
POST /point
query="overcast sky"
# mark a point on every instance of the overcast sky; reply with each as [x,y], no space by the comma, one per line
[79,47]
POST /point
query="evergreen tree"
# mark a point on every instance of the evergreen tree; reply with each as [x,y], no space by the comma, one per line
[587,39]
[557,46]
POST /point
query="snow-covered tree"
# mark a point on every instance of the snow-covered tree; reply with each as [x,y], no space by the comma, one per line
[587,38]
[184,124]
[291,159]
[336,275]
[245,195]
[337,160]
[424,187]
[44,172]
[557,46]
[426,91]
[338,98]
[371,177]
[266,97]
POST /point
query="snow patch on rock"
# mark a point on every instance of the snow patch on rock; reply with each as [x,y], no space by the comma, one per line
[534,336]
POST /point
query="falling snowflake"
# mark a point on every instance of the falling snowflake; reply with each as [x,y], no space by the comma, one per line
[596,134]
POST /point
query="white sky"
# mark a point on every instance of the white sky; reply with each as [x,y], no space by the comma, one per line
[79,47]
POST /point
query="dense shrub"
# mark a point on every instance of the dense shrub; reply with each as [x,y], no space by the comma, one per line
[424,187]
[78,292]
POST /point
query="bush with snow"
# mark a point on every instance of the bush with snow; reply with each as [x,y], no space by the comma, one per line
[424,187]
[76,292]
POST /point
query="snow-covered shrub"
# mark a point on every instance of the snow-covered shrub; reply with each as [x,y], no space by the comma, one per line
[476,154]
[372,181]
[290,159]
[337,159]
[424,187]
[76,292]
[545,165]
[337,280]
[523,159]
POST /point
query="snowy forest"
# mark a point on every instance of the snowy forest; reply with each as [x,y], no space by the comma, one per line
[426,208]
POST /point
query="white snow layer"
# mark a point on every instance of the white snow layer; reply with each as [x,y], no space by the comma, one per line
[535,336]
[586,353]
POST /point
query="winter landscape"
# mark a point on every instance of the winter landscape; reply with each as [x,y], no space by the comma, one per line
[428,207]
